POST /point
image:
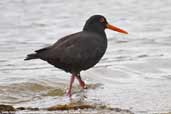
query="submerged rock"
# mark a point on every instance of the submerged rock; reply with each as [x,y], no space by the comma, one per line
[21,108]
[6,108]
[98,108]
[28,108]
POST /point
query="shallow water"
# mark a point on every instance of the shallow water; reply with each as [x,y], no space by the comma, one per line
[135,72]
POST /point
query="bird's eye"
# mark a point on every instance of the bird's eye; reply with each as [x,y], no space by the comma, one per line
[102,20]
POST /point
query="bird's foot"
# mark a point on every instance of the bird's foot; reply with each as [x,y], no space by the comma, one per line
[68,93]
[83,85]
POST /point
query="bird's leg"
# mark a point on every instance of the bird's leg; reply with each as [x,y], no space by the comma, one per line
[70,85]
[81,82]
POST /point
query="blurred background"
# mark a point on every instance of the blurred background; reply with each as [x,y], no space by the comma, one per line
[135,72]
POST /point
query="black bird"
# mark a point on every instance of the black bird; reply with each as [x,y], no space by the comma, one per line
[78,51]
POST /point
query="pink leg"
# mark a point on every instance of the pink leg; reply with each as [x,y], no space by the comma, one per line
[81,82]
[70,86]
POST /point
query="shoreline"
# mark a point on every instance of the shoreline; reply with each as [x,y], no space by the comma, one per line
[67,109]
[64,109]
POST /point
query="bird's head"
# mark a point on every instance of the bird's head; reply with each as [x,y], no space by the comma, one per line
[98,23]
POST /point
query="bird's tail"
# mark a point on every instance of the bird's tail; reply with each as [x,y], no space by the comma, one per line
[31,56]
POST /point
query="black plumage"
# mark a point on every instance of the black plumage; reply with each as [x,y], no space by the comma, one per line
[78,51]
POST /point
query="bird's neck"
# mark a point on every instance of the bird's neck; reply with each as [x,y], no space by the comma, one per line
[95,29]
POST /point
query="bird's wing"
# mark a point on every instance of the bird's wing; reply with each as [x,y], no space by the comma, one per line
[75,49]
[57,43]
[46,52]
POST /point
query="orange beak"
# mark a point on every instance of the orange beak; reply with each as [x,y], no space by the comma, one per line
[116,29]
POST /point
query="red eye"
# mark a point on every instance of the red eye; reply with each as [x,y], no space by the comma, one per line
[101,20]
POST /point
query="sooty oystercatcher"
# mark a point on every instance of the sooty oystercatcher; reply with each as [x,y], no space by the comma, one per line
[78,51]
